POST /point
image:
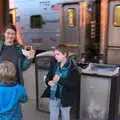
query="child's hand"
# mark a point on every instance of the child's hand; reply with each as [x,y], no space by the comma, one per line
[56,77]
[51,83]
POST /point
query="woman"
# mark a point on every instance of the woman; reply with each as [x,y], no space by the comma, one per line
[10,50]
[62,84]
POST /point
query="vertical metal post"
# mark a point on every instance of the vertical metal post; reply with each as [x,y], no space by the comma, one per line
[103,27]
[6,12]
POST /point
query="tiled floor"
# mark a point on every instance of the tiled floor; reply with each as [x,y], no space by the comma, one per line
[29,109]
[31,113]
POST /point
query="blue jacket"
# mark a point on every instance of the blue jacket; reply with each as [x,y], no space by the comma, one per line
[11,98]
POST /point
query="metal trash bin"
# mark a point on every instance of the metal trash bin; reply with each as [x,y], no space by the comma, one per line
[42,65]
[99,92]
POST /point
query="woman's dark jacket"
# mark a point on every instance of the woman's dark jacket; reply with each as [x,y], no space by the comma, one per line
[70,84]
[22,64]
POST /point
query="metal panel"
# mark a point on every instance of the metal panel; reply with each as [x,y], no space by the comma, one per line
[113,35]
[113,38]
[99,95]
[113,53]
[42,67]
[43,103]
[95,97]
[71,34]
[119,109]
[4,12]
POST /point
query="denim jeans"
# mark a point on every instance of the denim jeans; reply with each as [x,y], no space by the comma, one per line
[56,108]
[53,91]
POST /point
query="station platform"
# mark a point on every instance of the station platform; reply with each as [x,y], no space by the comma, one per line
[30,111]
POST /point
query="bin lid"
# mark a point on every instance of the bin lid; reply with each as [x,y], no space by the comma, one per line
[101,70]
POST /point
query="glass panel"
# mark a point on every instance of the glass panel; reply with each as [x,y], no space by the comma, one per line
[36,21]
[71,17]
[116,19]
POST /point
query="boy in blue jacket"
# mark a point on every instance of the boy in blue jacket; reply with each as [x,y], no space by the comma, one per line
[11,93]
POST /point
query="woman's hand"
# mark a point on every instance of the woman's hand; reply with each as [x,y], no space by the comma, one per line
[30,54]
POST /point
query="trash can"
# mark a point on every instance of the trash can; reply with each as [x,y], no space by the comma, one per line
[99,92]
[42,65]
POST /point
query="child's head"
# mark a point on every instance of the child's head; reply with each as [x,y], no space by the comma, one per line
[61,52]
[7,71]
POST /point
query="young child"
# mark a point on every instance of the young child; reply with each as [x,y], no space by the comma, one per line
[11,93]
[62,84]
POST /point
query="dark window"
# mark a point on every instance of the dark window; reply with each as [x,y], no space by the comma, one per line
[116,16]
[36,21]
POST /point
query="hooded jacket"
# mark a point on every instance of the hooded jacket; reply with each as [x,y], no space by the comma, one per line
[11,97]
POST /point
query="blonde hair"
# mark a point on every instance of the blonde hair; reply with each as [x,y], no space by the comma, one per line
[7,71]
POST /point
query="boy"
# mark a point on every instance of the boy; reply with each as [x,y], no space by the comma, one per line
[11,93]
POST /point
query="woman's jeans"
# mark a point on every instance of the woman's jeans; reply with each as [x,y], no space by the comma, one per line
[56,108]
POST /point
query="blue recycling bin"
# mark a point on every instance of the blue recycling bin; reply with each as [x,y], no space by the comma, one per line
[99,92]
